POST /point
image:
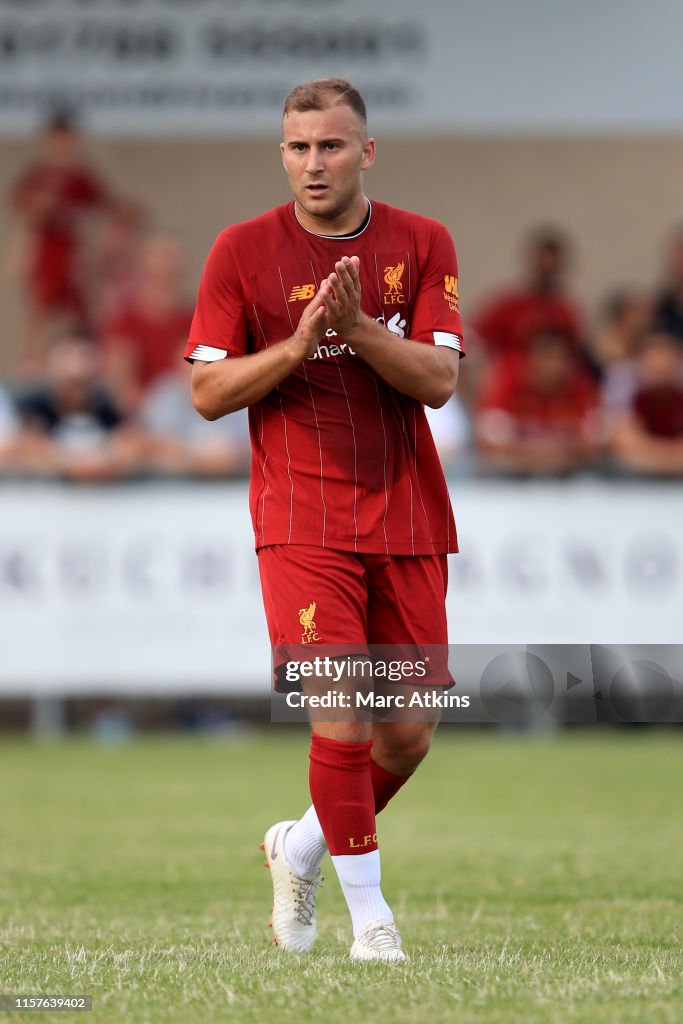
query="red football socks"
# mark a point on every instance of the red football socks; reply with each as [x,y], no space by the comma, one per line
[305,844]
[385,785]
[342,793]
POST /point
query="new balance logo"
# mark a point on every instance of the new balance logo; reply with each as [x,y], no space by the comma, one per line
[301,291]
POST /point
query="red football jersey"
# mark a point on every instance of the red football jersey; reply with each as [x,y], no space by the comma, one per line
[509,321]
[52,269]
[340,458]
[538,413]
[155,340]
[660,410]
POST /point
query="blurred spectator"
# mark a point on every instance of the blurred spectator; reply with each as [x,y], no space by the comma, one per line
[648,438]
[113,280]
[508,320]
[8,430]
[71,426]
[141,343]
[627,317]
[51,197]
[537,415]
[180,441]
[669,304]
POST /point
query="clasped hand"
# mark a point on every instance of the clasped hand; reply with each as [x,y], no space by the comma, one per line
[335,306]
[341,294]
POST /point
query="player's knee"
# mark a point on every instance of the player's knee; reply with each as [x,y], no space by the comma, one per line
[344,732]
[401,752]
[417,749]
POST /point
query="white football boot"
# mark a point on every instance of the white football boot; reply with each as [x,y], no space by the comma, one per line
[379,940]
[294,895]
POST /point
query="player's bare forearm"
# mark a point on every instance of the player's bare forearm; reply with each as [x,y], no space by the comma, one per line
[227,385]
[230,384]
[428,373]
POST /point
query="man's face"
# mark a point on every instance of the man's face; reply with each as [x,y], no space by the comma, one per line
[61,147]
[72,371]
[660,362]
[548,264]
[161,264]
[551,364]
[324,153]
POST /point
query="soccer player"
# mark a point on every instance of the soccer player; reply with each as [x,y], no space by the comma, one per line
[335,320]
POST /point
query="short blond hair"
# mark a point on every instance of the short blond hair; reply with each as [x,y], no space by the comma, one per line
[322,93]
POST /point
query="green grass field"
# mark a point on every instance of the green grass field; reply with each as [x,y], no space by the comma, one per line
[534,880]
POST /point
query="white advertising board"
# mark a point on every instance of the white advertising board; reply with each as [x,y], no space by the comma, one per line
[153,589]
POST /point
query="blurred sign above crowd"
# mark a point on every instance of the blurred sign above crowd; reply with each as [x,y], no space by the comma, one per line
[164,67]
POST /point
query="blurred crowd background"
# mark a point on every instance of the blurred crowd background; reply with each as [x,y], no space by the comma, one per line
[95,387]
[99,390]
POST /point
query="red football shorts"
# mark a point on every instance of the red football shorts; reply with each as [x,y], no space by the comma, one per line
[341,599]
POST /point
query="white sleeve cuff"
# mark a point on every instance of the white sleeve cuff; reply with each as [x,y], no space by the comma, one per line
[449,340]
[207,353]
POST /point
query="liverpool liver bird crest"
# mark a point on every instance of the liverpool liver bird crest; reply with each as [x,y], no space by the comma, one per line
[306,618]
[392,276]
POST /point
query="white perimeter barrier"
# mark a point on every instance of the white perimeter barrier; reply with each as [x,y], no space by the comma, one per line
[153,589]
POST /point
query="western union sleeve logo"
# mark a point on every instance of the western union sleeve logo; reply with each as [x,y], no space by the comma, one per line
[451,292]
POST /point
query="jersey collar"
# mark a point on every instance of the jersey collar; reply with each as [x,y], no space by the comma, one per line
[336,238]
